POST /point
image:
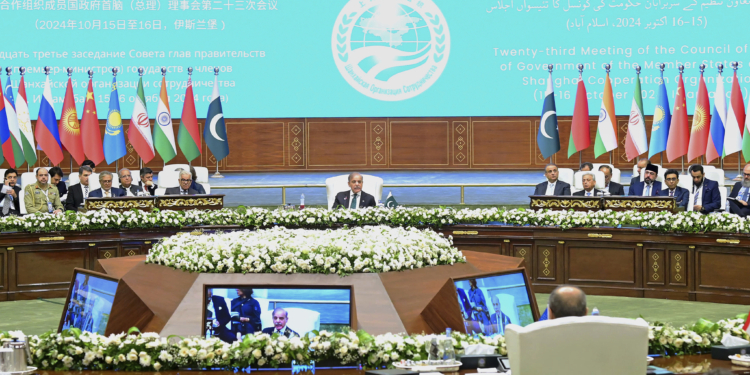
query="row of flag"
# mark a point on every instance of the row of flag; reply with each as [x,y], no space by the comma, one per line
[83,140]
[715,131]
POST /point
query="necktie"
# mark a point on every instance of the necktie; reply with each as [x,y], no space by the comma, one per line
[6,204]
[648,190]
[588,194]
[106,194]
[695,201]
[671,193]
[744,196]
[86,191]
[354,202]
[184,192]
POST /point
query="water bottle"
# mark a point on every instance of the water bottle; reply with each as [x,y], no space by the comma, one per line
[380,203]
[302,202]
[595,312]
[449,354]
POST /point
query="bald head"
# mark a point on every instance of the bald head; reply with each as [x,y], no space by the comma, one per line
[567,300]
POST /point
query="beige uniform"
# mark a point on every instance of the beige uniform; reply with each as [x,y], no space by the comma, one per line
[35,200]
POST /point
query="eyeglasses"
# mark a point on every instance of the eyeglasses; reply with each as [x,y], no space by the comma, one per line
[184,180]
[106,181]
[746,174]
[125,175]
[670,179]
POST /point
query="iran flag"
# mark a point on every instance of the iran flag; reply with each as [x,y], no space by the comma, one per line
[139,131]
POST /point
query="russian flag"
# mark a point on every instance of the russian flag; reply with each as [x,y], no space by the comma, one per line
[46,132]
[5,133]
[715,146]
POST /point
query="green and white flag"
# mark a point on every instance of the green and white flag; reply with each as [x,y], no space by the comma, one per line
[390,202]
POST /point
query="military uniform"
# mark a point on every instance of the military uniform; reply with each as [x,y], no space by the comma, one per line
[36,201]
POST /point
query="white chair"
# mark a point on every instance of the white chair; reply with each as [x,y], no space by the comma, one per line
[27,178]
[714,174]
[615,171]
[370,184]
[175,167]
[566,175]
[579,180]
[201,177]
[167,179]
[686,182]
[301,320]
[73,179]
[579,346]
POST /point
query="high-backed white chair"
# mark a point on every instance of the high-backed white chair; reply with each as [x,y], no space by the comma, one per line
[201,177]
[615,171]
[2,175]
[73,179]
[579,180]
[27,178]
[167,179]
[579,346]
[370,184]
[300,320]
[685,182]
[174,167]
[566,175]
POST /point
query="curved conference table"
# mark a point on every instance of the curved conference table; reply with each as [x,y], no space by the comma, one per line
[711,267]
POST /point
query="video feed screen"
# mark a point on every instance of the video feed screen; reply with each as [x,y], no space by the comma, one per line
[489,304]
[89,303]
[232,312]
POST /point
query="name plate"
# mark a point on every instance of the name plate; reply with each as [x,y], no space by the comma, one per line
[120,203]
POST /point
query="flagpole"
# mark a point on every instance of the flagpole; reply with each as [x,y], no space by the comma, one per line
[661,158]
[22,71]
[217,174]
[682,161]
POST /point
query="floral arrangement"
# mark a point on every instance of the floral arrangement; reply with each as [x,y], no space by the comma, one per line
[281,250]
[690,222]
[135,351]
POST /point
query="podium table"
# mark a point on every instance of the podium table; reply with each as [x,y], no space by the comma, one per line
[614,203]
[166,202]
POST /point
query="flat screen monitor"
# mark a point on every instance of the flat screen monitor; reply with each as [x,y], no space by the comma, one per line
[230,312]
[89,301]
[489,302]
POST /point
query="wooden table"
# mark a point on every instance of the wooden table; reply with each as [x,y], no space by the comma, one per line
[613,202]
[692,364]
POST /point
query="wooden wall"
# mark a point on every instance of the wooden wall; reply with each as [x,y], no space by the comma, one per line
[345,144]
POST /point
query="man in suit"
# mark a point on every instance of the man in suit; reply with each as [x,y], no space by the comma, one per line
[567,300]
[681,195]
[637,177]
[552,186]
[55,177]
[10,203]
[589,186]
[354,197]
[706,196]
[218,316]
[126,183]
[106,191]
[186,179]
[147,181]
[498,320]
[649,187]
[280,318]
[78,193]
[612,187]
[198,187]
[741,192]
[586,167]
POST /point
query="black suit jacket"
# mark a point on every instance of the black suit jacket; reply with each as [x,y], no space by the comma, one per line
[582,193]
[737,208]
[616,189]
[61,188]
[342,200]
[287,332]
[75,197]
[151,190]
[561,188]
[177,190]
[681,195]
[134,189]
[16,201]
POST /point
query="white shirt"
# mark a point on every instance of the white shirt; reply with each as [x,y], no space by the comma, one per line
[86,190]
[550,188]
[128,193]
[698,194]
[648,189]
[591,193]
[351,197]
[106,193]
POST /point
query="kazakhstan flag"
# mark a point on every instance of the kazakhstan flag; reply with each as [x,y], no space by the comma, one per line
[662,119]
[114,138]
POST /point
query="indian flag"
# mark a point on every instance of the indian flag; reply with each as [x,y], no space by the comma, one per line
[24,125]
[163,132]
[606,132]
[636,142]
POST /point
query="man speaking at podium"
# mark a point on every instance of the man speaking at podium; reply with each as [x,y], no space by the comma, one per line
[355,197]
[280,318]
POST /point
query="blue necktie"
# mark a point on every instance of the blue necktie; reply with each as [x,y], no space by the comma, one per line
[354,202]
[744,195]
[695,200]
[648,190]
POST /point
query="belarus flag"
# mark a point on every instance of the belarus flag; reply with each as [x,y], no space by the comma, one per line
[715,146]
[606,133]
[46,131]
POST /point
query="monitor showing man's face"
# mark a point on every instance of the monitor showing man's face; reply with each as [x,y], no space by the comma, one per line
[280,317]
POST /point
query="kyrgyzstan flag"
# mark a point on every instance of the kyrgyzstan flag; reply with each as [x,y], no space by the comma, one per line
[70,129]
[92,135]
[701,123]
[679,130]
[580,138]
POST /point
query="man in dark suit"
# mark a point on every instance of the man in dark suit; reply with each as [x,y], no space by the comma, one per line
[706,196]
[10,204]
[126,183]
[741,192]
[589,186]
[498,320]
[55,178]
[681,195]
[106,191]
[552,186]
[612,187]
[186,179]
[280,319]
[218,316]
[198,187]
[147,181]
[354,197]
[78,193]
[637,177]
[649,187]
